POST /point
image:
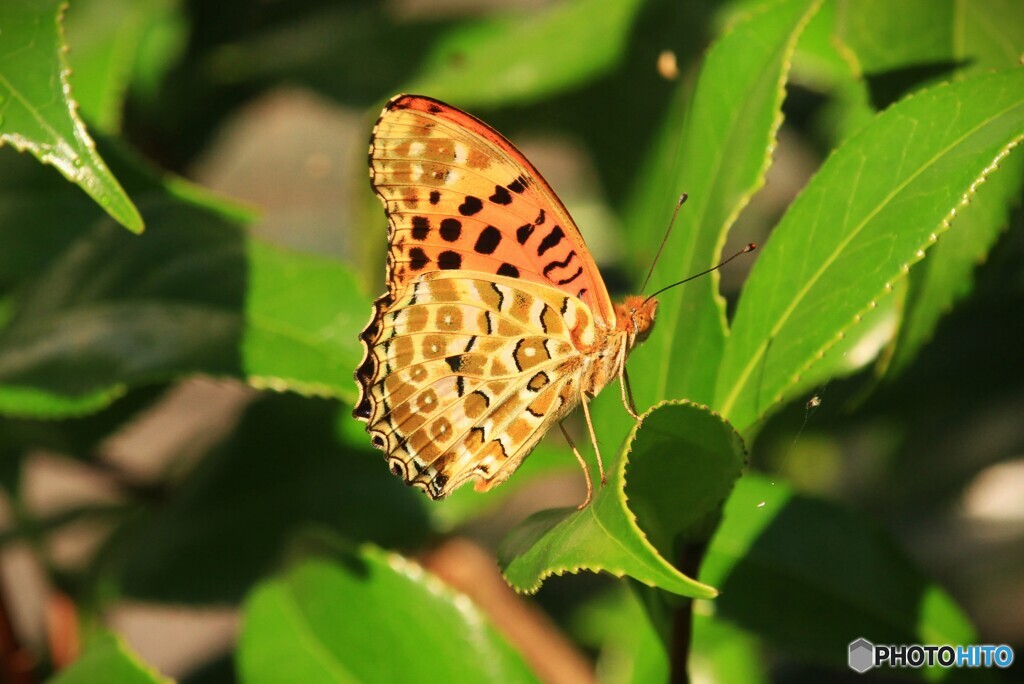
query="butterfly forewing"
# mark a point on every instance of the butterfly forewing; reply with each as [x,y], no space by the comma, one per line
[459,196]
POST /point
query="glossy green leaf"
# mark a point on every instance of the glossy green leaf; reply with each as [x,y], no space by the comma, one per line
[870,212]
[991,35]
[325,621]
[635,521]
[37,113]
[282,470]
[809,577]
[509,58]
[107,659]
[719,158]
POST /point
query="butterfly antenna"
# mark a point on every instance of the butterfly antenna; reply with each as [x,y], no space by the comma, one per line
[679,204]
[749,248]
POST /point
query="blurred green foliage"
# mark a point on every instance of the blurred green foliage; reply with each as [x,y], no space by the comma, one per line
[868,371]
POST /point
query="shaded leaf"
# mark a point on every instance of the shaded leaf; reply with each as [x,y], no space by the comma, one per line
[810,577]
[322,622]
[616,624]
[282,471]
[37,113]
[635,521]
[869,213]
[195,294]
[106,39]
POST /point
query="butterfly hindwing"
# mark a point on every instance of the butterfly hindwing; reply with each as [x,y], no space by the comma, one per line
[465,372]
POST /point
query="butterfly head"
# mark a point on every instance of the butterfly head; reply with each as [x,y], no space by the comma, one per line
[635,317]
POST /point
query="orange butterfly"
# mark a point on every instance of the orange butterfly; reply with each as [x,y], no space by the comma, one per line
[496,322]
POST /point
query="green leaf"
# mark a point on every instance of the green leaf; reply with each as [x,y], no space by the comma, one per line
[885,36]
[106,38]
[116,310]
[522,58]
[370,616]
[283,470]
[719,158]
[945,277]
[36,110]
[107,659]
[635,521]
[722,652]
[616,624]
[991,35]
[870,212]
[301,323]
[195,294]
[810,577]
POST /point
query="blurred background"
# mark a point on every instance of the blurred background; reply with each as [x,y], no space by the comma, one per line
[166,507]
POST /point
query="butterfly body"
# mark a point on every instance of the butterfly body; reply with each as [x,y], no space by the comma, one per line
[496,323]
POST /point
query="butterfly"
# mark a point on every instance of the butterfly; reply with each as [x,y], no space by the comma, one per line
[496,322]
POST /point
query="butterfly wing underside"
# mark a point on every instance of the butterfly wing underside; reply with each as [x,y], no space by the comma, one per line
[459,196]
[469,371]
[474,352]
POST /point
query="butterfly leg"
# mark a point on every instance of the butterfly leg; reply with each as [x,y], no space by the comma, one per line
[586,468]
[593,438]
[627,392]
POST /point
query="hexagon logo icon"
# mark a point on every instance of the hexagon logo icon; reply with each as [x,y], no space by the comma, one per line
[862,655]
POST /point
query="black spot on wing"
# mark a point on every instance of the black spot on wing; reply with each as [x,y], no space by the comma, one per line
[451,229]
[518,185]
[550,240]
[449,260]
[574,276]
[420,227]
[523,233]
[508,270]
[471,206]
[454,362]
[559,264]
[488,240]
[500,196]
[418,259]
[435,196]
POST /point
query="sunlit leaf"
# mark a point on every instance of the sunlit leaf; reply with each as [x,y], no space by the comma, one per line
[37,112]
